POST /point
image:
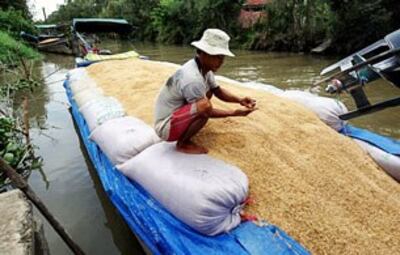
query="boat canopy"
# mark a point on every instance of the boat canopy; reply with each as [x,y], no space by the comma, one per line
[50,26]
[95,25]
[390,42]
[46,26]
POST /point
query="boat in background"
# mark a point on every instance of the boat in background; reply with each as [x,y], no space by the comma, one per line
[380,60]
[84,29]
[51,38]
[79,39]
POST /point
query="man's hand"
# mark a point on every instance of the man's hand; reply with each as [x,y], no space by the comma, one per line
[248,102]
[243,112]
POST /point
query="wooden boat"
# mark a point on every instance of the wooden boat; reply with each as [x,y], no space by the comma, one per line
[55,45]
[50,39]
[380,60]
[162,233]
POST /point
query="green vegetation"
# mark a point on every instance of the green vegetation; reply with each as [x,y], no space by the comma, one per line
[14,149]
[18,59]
[136,12]
[16,63]
[12,50]
[290,25]
[13,22]
[183,21]
[16,5]
[359,23]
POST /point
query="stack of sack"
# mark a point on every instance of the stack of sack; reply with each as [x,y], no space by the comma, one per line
[328,110]
[205,193]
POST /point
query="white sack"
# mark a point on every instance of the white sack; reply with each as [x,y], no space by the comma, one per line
[252,85]
[265,87]
[76,74]
[122,138]
[389,162]
[81,85]
[97,112]
[327,109]
[88,95]
[203,192]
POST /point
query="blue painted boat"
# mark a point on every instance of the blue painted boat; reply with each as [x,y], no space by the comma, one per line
[159,231]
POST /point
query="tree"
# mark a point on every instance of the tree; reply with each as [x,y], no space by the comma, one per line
[136,12]
[179,21]
[293,25]
[393,8]
[19,5]
[359,23]
[14,22]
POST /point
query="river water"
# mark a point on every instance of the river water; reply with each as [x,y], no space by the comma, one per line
[70,186]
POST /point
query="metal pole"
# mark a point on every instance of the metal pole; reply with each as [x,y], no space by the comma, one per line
[44,13]
[372,60]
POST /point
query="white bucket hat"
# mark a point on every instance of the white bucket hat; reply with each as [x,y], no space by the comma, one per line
[214,42]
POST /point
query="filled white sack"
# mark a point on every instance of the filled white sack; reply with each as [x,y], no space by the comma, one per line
[122,138]
[97,112]
[389,162]
[77,74]
[81,85]
[203,192]
[265,87]
[252,85]
[327,109]
[88,95]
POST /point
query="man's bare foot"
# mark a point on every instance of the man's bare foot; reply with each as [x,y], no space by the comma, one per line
[191,148]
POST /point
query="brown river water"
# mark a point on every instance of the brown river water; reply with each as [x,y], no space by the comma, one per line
[70,186]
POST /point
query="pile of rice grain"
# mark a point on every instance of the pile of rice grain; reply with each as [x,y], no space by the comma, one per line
[312,182]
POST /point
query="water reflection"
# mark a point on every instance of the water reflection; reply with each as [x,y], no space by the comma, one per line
[121,233]
[83,210]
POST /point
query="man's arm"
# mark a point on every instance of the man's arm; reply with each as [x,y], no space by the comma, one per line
[205,108]
[218,113]
[226,96]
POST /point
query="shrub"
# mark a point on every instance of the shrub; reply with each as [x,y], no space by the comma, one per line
[14,22]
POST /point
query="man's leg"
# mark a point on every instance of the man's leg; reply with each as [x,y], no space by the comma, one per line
[184,143]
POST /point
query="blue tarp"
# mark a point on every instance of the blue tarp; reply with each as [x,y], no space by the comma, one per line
[80,62]
[160,231]
[387,144]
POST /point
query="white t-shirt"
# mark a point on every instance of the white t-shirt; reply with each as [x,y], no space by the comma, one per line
[186,85]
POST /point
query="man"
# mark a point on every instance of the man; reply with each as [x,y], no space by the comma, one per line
[183,105]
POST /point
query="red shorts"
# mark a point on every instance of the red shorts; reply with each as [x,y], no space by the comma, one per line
[181,120]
